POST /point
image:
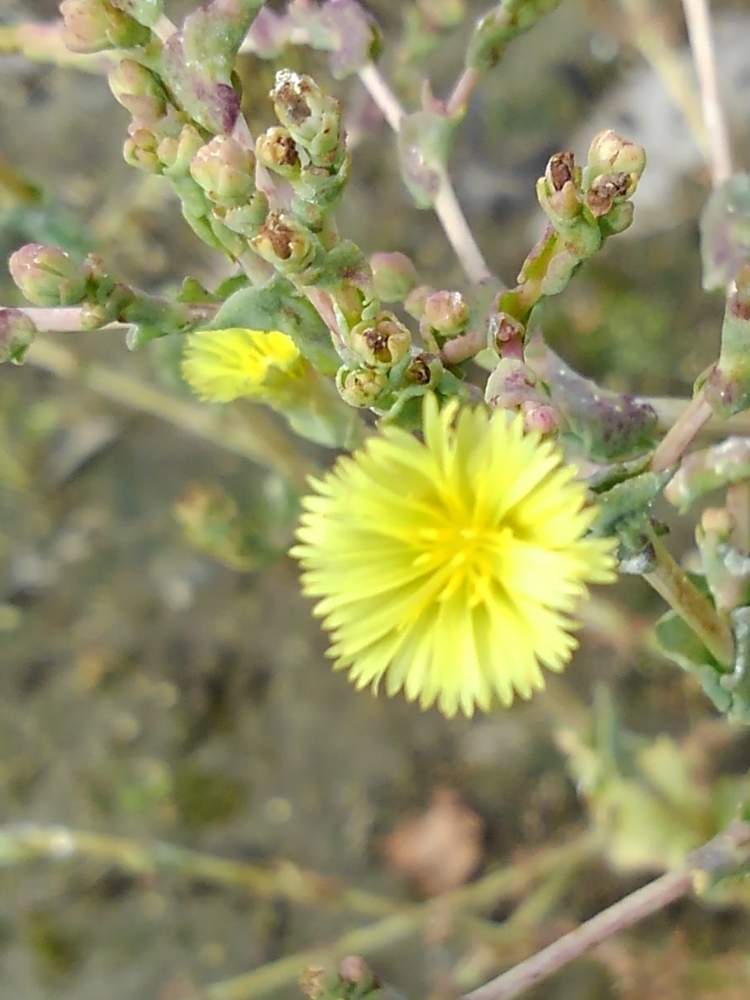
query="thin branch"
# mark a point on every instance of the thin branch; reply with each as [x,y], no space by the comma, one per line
[698,17]
[475,897]
[447,207]
[677,439]
[720,856]
[671,582]
[24,843]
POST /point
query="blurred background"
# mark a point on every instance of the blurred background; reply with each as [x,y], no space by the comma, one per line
[161,679]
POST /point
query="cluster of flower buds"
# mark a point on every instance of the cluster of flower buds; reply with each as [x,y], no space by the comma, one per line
[96,25]
[379,348]
[585,206]
[308,149]
[726,568]
[17,333]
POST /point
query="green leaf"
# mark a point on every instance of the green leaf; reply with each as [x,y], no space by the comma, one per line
[424,144]
[277,306]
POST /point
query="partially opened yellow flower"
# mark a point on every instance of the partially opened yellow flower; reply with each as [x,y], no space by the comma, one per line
[452,568]
[222,365]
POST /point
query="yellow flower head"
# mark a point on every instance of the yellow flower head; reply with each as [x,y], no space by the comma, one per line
[222,365]
[452,568]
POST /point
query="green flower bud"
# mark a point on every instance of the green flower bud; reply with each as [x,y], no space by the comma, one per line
[312,118]
[360,387]
[609,153]
[414,302]
[47,276]
[286,243]
[95,25]
[137,89]
[141,151]
[382,341]
[224,169]
[246,219]
[176,154]
[618,219]
[424,369]
[17,333]
[277,151]
[446,312]
[394,276]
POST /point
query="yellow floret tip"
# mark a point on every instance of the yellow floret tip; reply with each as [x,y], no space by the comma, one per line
[451,569]
[222,365]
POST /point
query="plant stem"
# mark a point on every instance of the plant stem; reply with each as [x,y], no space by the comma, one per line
[260,440]
[364,940]
[462,91]
[27,842]
[690,422]
[720,856]
[698,17]
[669,410]
[447,207]
[671,582]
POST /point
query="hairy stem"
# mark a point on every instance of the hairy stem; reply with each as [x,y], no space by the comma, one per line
[720,856]
[672,583]
[447,207]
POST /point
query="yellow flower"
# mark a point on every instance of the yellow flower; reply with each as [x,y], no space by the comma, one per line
[452,568]
[222,365]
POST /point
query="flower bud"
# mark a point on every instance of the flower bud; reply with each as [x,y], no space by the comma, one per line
[224,169]
[382,341]
[312,117]
[424,369]
[177,154]
[539,417]
[286,243]
[47,276]
[277,151]
[502,329]
[95,25]
[360,387]
[17,332]
[607,191]
[512,383]
[414,302]
[717,521]
[140,151]
[246,219]
[446,312]
[609,153]
[137,89]
[394,276]
[561,169]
